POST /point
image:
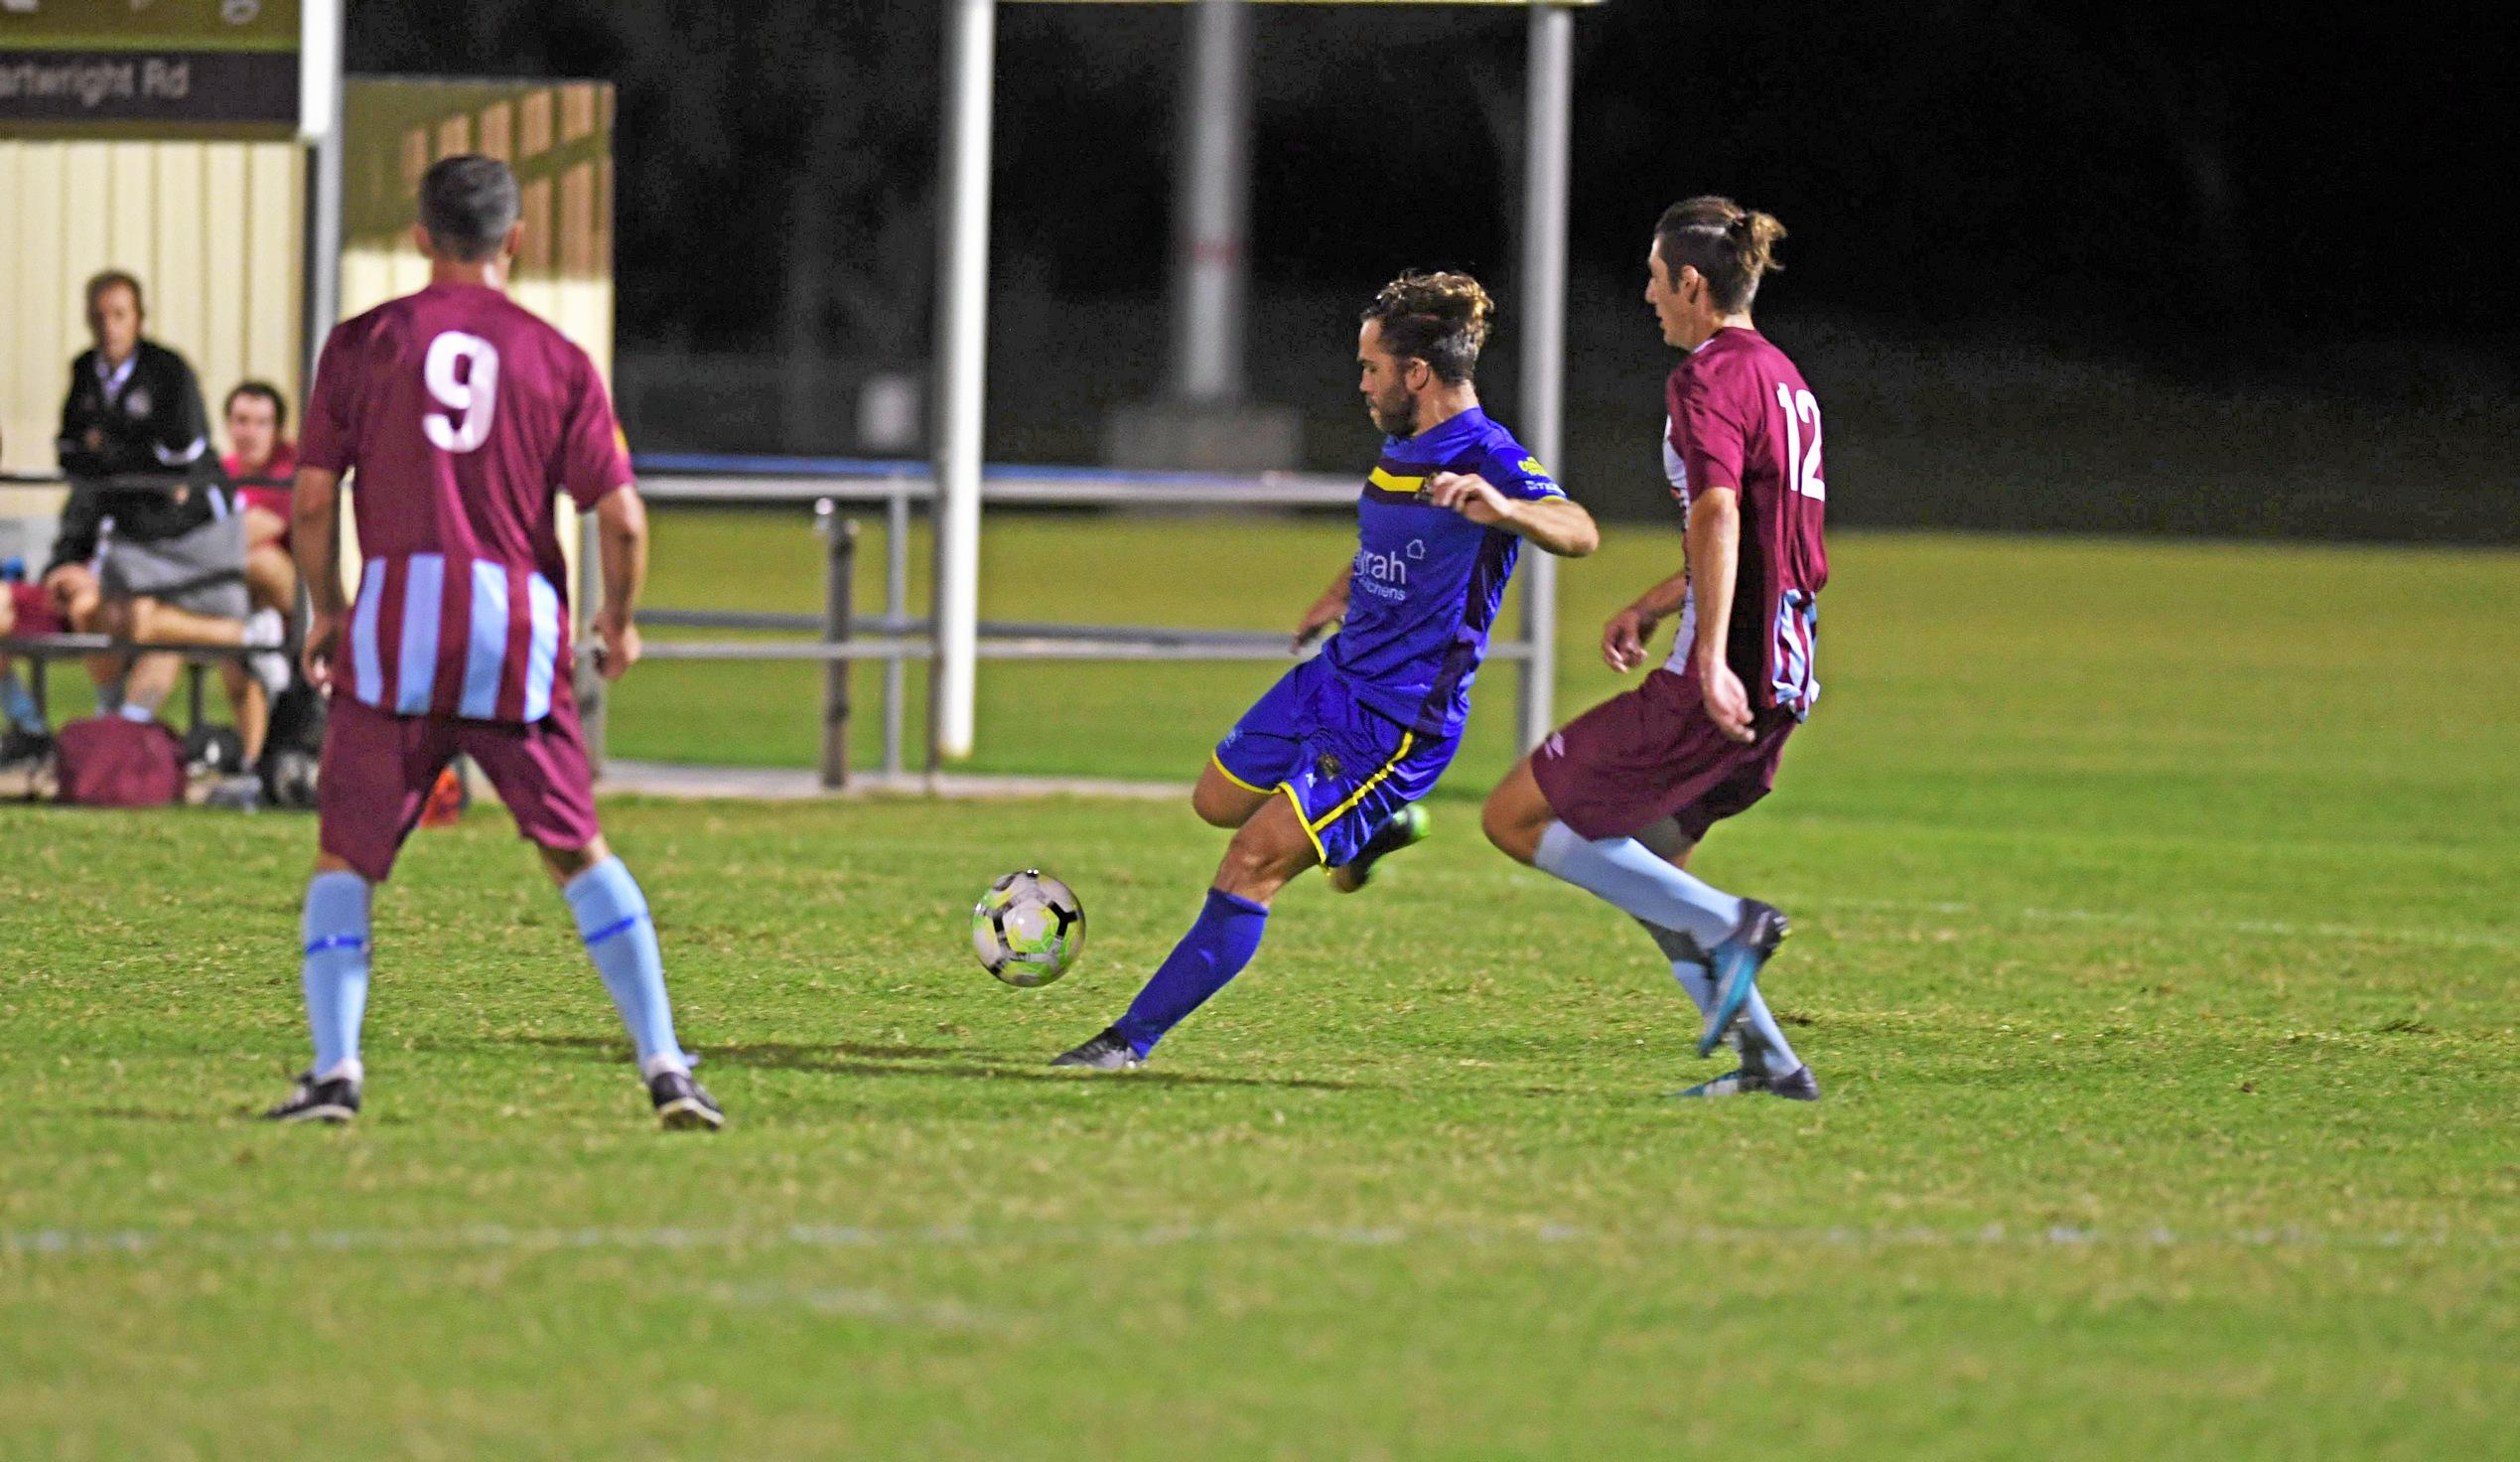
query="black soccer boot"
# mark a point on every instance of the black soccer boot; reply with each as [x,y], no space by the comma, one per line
[1109,1051]
[21,747]
[683,1105]
[1800,1085]
[336,1101]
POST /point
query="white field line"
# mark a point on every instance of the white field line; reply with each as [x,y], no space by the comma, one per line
[863,1304]
[2471,938]
[40,1244]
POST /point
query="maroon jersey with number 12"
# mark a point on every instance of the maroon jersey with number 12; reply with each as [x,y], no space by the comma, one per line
[461,418]
[1741,417]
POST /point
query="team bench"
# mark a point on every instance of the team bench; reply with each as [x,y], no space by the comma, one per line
[42,649]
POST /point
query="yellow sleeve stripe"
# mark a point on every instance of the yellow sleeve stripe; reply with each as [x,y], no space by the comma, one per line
[1227,772]
[1392,481]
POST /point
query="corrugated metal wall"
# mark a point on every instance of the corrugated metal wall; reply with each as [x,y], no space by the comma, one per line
[558,139]
[558,136]
[213,231]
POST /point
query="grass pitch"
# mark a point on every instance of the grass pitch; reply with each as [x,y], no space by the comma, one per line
[2155,949]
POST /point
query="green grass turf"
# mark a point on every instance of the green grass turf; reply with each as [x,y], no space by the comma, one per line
[2156,951]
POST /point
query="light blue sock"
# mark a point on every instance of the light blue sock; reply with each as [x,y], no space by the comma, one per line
[335,975]
[18,703]
[621,939]
[133,711]
[1762,1038]
[1630,877]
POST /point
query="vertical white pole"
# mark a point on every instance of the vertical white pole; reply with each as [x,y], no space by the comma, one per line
[1544,206]
[962,320]
[1212,190]
[320,127]
[320,263]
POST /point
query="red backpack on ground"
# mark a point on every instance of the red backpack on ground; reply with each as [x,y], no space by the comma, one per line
[109,762]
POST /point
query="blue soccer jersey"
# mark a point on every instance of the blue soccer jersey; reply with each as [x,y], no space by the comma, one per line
[1427,582]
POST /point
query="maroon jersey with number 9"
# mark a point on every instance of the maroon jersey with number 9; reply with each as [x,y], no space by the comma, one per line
[460,417]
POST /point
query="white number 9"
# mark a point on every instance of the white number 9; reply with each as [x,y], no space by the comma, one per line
[476,394]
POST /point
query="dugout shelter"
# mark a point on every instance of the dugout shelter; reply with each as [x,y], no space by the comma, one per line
[216,151]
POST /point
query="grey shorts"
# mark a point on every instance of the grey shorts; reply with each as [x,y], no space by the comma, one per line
[202,572]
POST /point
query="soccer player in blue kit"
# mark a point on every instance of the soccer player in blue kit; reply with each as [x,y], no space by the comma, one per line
[1327,766]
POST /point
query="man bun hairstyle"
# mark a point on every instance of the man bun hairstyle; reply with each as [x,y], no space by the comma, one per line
[1729,246]
[1441,319]
[264,390]
[468,202]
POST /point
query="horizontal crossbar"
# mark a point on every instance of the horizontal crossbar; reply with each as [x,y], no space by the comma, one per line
[877,626]
[1272,490]
[1509,4]
[1070,643]
[63,646]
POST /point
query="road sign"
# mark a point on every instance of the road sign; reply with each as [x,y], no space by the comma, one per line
[110,64]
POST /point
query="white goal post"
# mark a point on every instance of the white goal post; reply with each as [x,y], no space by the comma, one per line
[962,255]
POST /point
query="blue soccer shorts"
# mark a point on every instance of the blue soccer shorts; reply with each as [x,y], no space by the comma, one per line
[1346,768]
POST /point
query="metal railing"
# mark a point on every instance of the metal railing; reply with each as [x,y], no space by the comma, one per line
[39,651]
[897,637]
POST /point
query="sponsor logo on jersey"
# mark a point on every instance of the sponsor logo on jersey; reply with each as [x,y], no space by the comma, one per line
[1386,575]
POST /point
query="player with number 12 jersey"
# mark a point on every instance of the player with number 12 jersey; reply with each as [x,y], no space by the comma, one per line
[458,418]
[1617,800]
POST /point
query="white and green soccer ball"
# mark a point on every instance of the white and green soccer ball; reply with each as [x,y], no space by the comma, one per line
[1028,929]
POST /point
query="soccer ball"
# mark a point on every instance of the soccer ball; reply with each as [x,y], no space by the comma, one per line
[1028,929]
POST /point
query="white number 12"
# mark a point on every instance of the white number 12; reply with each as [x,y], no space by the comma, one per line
[1800,465]
[475,396]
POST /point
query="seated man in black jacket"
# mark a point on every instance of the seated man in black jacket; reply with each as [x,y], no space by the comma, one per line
[135,444]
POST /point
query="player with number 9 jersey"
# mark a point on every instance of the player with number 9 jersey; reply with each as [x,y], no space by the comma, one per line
[460,417]
[457,419]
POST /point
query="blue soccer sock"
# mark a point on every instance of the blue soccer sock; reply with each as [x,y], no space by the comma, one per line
[18,703]
[1218,946]
[1630,877]
[1763,1039]
[335,975]
[621,939]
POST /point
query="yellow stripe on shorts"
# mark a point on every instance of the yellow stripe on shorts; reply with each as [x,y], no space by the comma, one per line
[1228,773]
[1407,738]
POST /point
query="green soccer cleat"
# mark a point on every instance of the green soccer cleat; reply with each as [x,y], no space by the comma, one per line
[1407,827]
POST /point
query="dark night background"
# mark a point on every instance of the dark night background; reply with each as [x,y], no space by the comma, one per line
[2050,266]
